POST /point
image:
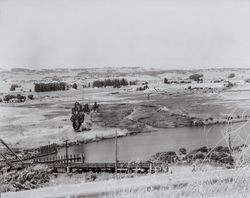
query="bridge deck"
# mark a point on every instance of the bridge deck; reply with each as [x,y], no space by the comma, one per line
[103,167]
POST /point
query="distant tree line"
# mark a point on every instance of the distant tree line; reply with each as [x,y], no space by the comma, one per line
[166,81]
[42,87]
[116,83]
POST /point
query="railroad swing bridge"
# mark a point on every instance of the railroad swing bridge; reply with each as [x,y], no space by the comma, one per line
[103,167]
[74,163]
[78,165]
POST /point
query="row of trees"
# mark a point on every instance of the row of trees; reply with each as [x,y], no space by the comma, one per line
[17,98]
[42,87]
[195,77]
[166,81]
[61,86]
[116,83]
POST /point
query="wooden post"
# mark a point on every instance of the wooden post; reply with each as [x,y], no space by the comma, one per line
[229,142]
[116,158]
[83,158]
[67,157]
[229,138]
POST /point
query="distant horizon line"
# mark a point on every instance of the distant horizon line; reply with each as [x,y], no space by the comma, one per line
[118,67]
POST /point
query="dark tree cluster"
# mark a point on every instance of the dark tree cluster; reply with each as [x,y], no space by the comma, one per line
[132,82]
[74,86]
[78,114]
[165,80]
[96,107]
[13,87]
[42,87]
[232,75]
[142,88]
[116,83]
[77,117]
[17,98]
[196,77]
[247,80]
[8,97]
[86,108]
[31,97]
[229,85]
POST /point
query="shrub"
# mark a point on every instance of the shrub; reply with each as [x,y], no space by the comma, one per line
[13,87]
[142,88]
[31,97]
[232,75]
[74,86]
[196,77]
[95,107]
[183,151]
[132,82]
[8,97]
[20,98]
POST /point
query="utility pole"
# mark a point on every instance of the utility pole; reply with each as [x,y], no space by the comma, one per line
[0,189]
[82,95]
[229,138]
[67,157]
[229,142]
[116,158]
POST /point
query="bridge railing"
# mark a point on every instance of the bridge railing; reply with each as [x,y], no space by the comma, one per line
[57,160]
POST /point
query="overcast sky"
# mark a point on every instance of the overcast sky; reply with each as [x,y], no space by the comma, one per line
[152,33]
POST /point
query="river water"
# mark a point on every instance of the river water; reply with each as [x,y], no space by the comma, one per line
[144,145]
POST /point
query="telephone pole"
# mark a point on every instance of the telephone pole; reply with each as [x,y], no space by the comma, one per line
[116,153]
[229,138]
[67,157]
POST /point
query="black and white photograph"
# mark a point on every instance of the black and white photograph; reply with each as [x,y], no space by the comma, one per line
[124,98]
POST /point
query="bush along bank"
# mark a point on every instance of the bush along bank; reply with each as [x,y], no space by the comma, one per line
[219,156]
[29,178]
